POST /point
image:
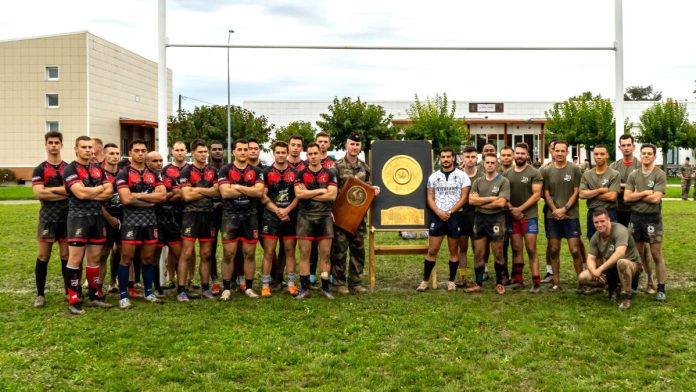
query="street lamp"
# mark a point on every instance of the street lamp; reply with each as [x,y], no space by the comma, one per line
[229,129]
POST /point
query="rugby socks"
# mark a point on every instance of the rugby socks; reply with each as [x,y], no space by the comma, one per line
[148,271]
[249,283]
[205,286]
[325,285]
[427,269]
[266,281]
[93,282]
[180,289]
[499,272]
[291,278]
[304,282]
[41,270]
[156,279]
[227,284]
[462,273]
[661,287]
[536,279]
[517,269]
[63,266]
[123,283]
[479,271]
[453,266]
[549,270]
[72,281]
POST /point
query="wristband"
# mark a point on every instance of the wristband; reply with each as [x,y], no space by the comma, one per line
[567,207]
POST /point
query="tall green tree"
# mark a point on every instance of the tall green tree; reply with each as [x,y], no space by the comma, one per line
[347,116]
[666,125]
[585,120]
[434,120]
[642,93]
[302,128]
[210,123]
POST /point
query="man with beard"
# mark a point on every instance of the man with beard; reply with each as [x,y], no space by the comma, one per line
[112,211]
[469,166]
[600,187]
[217,161]
[172,172]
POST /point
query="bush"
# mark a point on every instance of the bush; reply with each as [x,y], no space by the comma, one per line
[7,175]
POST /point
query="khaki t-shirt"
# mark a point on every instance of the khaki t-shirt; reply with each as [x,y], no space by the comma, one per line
[499,186]
[619,236]
[624,170]
[561,184]
[638,181]
[468,208]
[521,188]
[609,179]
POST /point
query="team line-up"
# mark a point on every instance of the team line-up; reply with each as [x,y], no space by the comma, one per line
[100,206]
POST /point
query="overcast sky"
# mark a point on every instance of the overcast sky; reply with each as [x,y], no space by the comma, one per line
[658,38]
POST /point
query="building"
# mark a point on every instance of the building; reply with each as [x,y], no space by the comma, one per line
[76,83]
[500,123]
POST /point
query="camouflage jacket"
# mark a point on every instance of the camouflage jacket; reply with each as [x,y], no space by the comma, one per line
[345,170]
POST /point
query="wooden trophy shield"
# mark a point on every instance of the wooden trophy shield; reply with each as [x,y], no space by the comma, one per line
[352,204]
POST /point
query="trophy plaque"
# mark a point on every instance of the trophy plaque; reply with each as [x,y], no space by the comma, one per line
[352,204]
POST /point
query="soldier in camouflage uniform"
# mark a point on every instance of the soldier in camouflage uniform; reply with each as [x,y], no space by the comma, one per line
[686,173]
[350,166]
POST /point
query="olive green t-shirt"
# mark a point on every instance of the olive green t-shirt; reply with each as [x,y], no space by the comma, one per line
[638,181]
[521,188]
[561,184]
[499,186]
[468,208]
[619,236]
[624,170]
[609,179]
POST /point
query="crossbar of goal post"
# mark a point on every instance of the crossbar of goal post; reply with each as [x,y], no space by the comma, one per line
[163,45]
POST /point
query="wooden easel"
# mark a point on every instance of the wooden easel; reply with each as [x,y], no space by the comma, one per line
[384,250]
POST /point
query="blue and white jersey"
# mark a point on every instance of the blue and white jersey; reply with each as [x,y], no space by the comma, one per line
[448,187]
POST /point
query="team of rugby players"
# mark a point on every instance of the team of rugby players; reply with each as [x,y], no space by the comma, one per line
[100,207]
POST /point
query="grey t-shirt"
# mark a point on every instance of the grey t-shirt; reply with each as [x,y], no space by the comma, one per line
[499,186]
[521,188]
[619,236]
[561,184]
[468,209]
[638,181]
[624,170]
[609,179]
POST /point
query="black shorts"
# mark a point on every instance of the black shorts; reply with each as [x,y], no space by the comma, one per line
[314,228]
[138,235]
[169,232]
[647,227]
[450,228]
[564,228]
[198,226]
[52,231]
[272,227]
[113,235]
[84,230]
[491,226]
[466,224]
[243,228]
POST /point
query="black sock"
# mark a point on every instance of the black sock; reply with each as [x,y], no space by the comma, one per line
[205,286]
[304,282]
[156,279]
[479,271]
[453,266]
[72,280]
[325,284]
[227,284]
[249,283]
[180,289]
[131,284]
[661,287]
[427,269]
[500,271]
[41,270]
[63,265]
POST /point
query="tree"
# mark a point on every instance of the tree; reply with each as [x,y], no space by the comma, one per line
[642,93]
[583,120]
[434,120]
[666,125]
[302,128]
[210,123]
[347,116]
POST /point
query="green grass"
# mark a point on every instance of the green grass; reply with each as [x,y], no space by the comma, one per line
[392,338]
[16,193]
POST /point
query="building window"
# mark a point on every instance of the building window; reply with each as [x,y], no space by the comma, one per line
[52,126]
[52,73]
[51,100]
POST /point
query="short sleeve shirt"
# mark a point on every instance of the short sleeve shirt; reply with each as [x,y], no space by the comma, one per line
[447,187]
[499,186]
[90,175]
[624,170]
[521,188]
[609,179]
[51,176]
[561,184]
[312,180]
[113,206]
[249,176]
[638,181]
[138,181]
[171,178]
[280,184]
[468,208]
[191,176]
[619,236]
[299,166]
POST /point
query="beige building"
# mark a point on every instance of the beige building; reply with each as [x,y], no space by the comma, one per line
[76,83]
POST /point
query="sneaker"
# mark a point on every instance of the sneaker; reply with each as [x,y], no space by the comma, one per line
[193,285]
[462,283]
[359,289]
[423,286]
[39,301]
[251,293]
[76,308]
[625,304]
[535,289]
[515,285]
[159,294]
[327,294]
[124,304]
[182,297]
[507,281]
[555,288]
[152,298]
[216,288]
[226,295]
[661,296]
[548,278]
[266,292]
[474,288]
[293,290]
[192,295]
[343,290]
[451,286]
[302,294]
[207,294]
[99,303]
[134,293]
[500,289]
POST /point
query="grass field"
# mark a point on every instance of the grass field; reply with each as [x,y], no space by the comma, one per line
[16,193]
[392,338]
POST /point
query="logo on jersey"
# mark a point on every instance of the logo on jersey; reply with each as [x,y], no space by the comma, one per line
[612,248]
[605,181]
[496,229]
[651,229]
[651,184]
[495,190]
[78,232]
[524,180]
[567,177]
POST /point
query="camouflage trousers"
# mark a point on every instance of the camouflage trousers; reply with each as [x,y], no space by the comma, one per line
[343,242]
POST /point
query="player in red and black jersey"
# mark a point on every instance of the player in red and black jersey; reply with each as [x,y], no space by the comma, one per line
[316,188]
[199,186]
[47,184]
[217,161]
[172,172]
[295,147]
[280,217]
[112,211]
[324,142]
[241,185]
[139,189]
[87,187]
